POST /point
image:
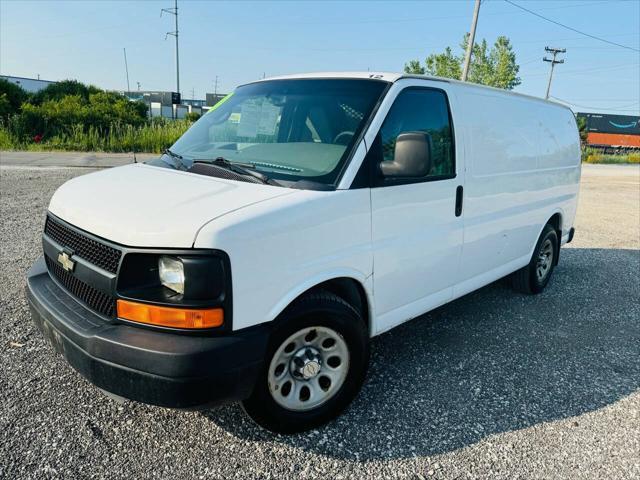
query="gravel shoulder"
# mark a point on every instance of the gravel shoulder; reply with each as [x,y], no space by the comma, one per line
[495,384]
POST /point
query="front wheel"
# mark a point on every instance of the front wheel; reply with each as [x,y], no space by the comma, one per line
[315,366]
[535,276]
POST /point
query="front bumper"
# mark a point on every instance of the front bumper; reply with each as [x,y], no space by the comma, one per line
[159,368]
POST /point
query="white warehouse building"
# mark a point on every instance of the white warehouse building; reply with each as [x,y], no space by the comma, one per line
[31,85]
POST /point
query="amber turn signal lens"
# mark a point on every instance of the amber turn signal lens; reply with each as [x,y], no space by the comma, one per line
[170,316]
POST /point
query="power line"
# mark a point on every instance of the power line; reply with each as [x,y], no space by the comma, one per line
[386,20]
[590,70]
[571,28]
[619,108]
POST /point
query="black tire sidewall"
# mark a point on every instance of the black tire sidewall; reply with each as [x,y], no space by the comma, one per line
[327,311]
[547,233]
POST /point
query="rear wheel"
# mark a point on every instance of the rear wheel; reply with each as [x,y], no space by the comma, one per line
[316,363]
[534,277]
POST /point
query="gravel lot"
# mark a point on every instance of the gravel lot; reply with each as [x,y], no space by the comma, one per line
[495,384]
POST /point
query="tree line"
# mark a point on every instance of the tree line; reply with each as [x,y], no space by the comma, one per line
[495,66]
[63,106]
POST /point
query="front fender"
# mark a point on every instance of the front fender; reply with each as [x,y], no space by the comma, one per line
[365,281]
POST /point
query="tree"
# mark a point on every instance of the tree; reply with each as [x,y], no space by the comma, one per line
[59,90]
[496,67]
[413,66]
[582,129]
[11,98]
[444,64]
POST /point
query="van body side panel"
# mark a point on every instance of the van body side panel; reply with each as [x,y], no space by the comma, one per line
[279,251]
[523,167]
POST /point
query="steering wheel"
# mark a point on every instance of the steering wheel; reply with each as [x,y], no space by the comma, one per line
[342,134]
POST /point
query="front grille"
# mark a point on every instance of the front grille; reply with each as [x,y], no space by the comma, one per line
[94,299]
[91,250]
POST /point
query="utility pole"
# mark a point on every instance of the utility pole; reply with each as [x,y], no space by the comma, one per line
[174,11]
[553,62]
[472,39]
[215,88]
[193,93]
[138,85]
[126,68]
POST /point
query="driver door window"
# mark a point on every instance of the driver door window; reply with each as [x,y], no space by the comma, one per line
[421,110]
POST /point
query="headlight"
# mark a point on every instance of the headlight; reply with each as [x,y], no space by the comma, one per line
[171,273]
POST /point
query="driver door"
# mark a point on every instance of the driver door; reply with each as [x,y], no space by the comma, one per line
[417,229]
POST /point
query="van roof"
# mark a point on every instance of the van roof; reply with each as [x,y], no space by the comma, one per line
[392,77]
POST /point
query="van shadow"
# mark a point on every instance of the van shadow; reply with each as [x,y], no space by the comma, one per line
[493,361]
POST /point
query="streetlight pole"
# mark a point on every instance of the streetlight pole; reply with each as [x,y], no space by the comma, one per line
[472,38]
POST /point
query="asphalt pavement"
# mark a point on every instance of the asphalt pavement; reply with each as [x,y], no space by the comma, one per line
[493,385]
[70,159]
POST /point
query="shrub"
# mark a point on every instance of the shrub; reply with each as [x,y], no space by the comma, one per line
[70,115]
[59,90]
[12,96]
[100,110]
[192,116]
[593,156]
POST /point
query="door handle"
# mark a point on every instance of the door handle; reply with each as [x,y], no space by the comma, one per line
[459,192]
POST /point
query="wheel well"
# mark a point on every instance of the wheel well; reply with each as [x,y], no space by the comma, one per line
[351,291]
[556,222]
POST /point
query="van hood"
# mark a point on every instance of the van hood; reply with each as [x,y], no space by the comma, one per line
[145,206]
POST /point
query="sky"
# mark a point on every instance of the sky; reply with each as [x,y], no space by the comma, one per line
[238,42]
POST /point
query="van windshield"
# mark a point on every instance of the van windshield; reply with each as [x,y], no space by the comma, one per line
[289,130]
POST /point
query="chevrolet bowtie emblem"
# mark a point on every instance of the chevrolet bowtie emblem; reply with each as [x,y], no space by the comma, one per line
[66,262]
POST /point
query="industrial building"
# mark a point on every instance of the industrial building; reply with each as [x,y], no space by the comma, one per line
[171,105]
[31,85]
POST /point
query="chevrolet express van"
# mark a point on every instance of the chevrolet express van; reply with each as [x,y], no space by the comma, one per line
[300,217]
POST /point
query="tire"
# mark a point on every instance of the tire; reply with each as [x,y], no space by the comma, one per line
[289,410]
[531,279]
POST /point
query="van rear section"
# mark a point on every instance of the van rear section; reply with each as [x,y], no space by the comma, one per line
[523,170]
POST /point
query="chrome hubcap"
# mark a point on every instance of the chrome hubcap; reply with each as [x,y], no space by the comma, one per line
[308,368]
[545,260]
[306,363]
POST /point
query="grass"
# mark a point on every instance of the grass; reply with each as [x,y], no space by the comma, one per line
[155,136]
[590,155]
[151,138]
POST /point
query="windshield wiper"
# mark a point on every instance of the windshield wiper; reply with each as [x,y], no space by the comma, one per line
[247,169]
[179,165]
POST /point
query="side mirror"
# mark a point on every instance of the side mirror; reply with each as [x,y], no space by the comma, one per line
[411,156]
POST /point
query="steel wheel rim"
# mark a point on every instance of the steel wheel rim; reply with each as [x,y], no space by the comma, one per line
[308,368]
[545,260]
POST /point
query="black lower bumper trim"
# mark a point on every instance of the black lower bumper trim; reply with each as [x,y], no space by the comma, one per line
[159,368]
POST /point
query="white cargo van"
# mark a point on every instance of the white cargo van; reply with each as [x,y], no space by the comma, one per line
[303,215]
